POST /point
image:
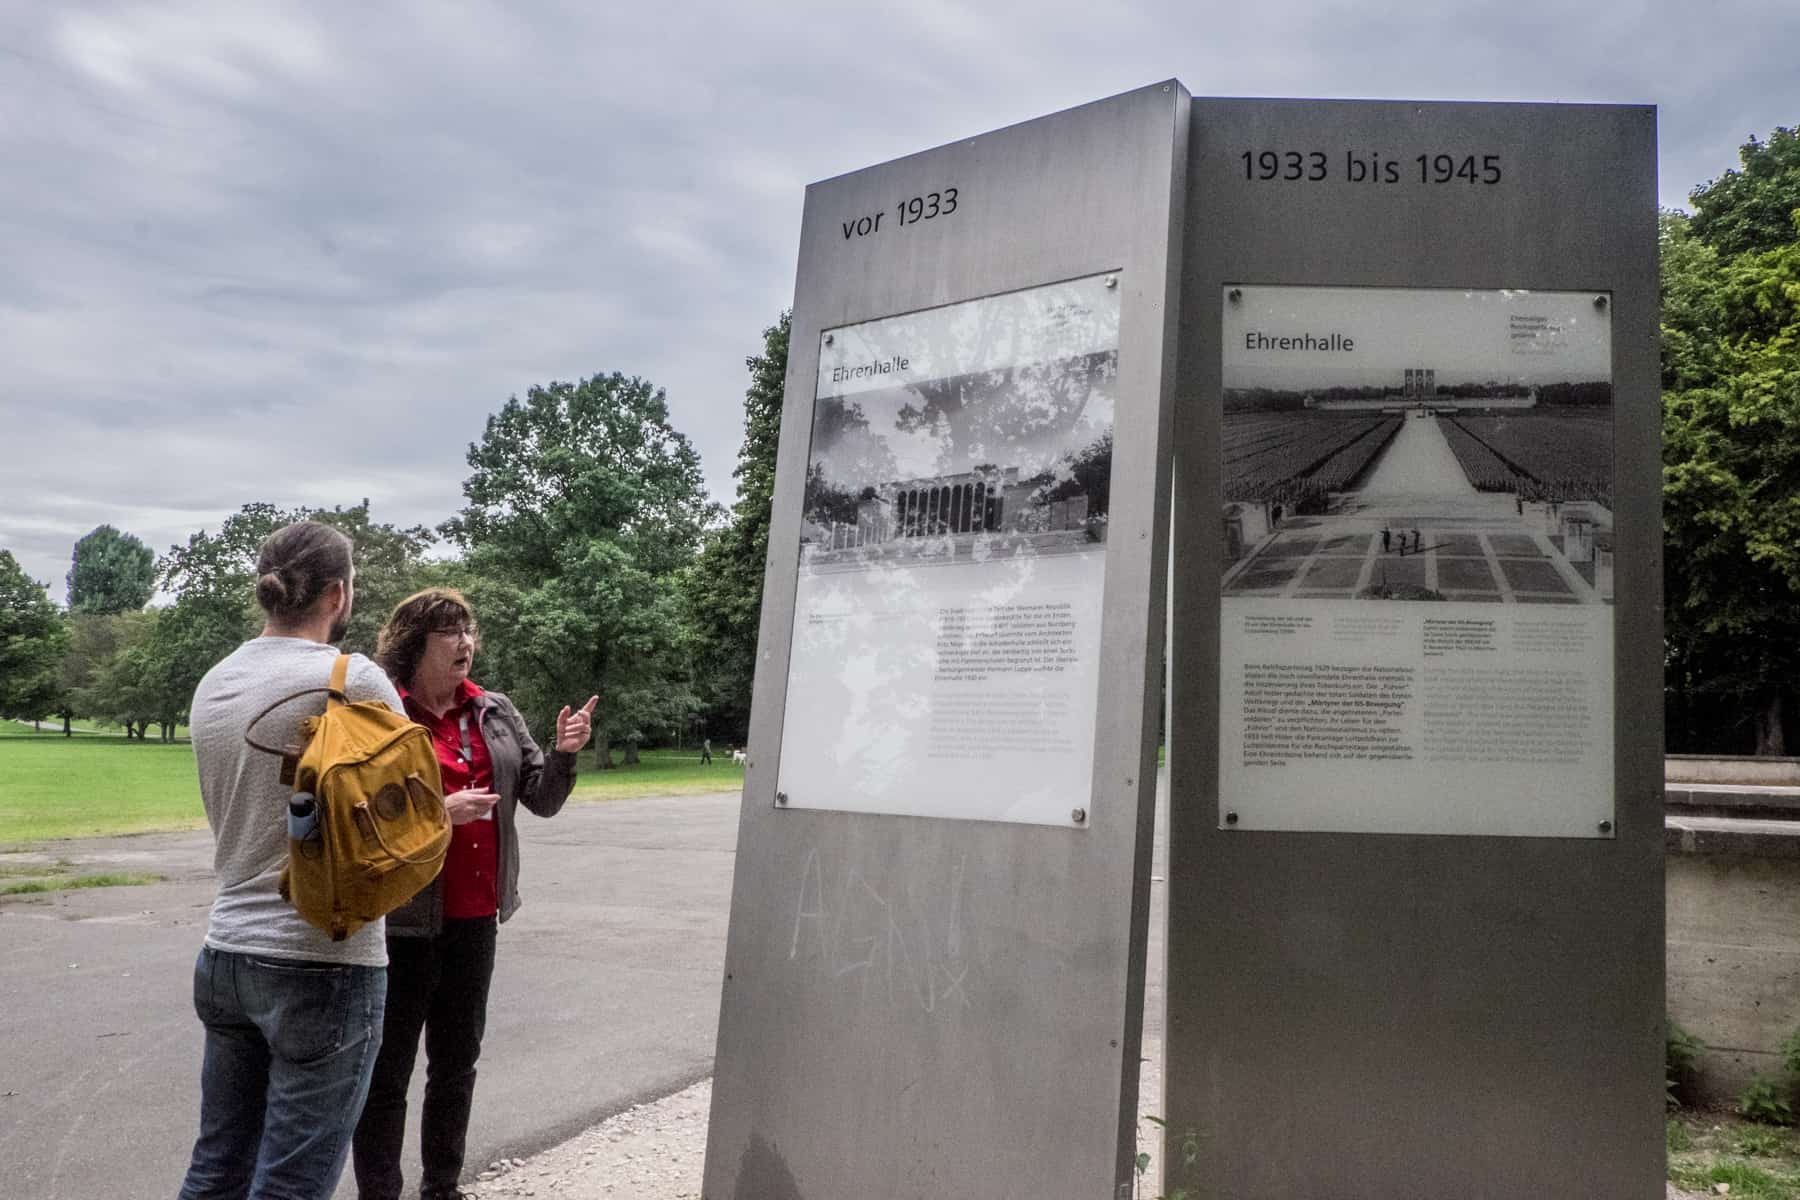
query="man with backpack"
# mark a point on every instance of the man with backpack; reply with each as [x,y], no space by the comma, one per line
[293,1018]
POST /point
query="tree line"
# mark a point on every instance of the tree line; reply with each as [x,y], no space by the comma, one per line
[596,563]
[1731,456]
[586,543]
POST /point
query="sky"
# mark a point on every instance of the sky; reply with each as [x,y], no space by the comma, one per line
[297,253]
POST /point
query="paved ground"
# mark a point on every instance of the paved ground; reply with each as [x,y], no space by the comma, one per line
[605,1005]
[607,994]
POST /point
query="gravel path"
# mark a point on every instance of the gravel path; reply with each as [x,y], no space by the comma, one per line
[656,1151]
[651,1152]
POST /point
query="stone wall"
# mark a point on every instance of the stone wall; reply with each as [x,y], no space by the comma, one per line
[1702,769]
[1732,886]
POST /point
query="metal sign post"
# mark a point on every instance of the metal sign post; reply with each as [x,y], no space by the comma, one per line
[934,976]
[1415,888]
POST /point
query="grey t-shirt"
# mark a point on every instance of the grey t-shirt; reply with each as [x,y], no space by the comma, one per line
[246,802]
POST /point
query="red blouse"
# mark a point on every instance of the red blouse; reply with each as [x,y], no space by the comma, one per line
[470,878]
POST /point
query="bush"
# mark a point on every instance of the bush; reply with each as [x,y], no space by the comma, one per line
[1790,1053]
[1681,1062]
[1766,1102]
[1760,1143]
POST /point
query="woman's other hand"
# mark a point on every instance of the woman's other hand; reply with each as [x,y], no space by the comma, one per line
[470,804]
[574,728]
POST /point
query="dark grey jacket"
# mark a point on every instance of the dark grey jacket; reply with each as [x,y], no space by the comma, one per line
[523,774]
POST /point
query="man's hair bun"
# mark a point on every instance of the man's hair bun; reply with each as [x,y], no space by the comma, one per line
[297,564]
[271,592]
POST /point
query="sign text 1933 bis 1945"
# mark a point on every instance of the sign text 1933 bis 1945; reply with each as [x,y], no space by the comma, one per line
[1315,166]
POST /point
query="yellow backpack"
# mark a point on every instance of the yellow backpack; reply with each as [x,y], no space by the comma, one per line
[367,830]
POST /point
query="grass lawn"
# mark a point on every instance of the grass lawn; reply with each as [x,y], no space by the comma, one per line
[29,878]
[1760,1162]
[23,729]
[57,787]
[661,773]
[100,784]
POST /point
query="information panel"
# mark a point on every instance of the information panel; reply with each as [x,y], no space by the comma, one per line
[940,913]
[1417,580]
[946,633]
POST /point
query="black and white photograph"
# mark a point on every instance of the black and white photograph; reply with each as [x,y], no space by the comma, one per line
[1403,469]
[976,431]
[952,559]
[1417,445]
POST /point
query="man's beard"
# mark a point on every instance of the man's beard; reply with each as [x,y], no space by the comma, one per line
[340,627]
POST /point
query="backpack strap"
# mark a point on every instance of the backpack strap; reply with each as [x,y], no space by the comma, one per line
[254,721]
[335,694]
[340,680]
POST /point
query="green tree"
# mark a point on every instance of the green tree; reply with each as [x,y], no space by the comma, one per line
[110,572]
[213,577]
[93,639]
[166,686]
[121,687]
[1752,209]
[222,565]
[583,506]
[158,669]
[391,564]
[722,593]
[32,637]
[1731,472]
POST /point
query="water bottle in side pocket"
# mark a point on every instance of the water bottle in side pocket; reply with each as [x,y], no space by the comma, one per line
[303,816]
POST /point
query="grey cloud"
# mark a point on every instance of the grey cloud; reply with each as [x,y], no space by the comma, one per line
[298,253]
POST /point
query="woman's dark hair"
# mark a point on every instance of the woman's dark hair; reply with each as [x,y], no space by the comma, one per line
[297,564]
[401,642]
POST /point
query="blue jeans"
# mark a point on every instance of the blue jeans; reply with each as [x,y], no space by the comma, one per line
[289,1049]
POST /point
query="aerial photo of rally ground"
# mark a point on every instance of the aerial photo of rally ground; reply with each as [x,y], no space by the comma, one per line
[1417,444]
[1429,497]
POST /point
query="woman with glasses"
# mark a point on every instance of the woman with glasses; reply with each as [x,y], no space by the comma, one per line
[441,944]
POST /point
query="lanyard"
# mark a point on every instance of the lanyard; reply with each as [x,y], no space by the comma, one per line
[468,756]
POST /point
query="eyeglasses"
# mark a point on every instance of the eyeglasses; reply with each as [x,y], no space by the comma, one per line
[456,631]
